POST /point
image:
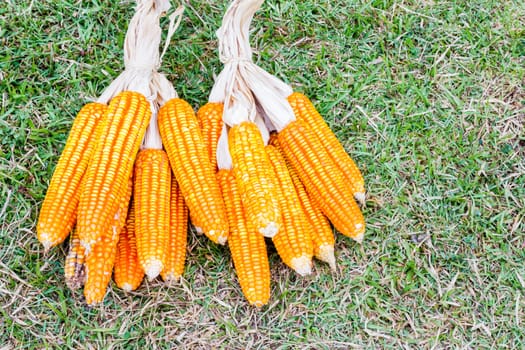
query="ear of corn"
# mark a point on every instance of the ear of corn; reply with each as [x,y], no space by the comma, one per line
[59,209]
[101,259]
[294,241]
[122,132]
[151,195]
[323,180]
[99,266]
[188,156]
[322,234]
[255,178]
[74,269]
[176,255]
[246,245]
[128,274]
[210,122]
[306,111]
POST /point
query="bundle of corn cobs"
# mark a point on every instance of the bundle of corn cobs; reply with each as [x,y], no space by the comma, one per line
[256,161]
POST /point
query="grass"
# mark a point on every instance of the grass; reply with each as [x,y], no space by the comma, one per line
[427,96]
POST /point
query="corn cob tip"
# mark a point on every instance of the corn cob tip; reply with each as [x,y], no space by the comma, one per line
[270,230]
[46,242]
[326,254]
[153,269]
[73,284]
[258,303]
[360,197]
[127,287]
[78,279]
[198,230]
[302,265]
[222,237]
[222,240]
[76,282]
[359,237]
[170,278]
[92,299]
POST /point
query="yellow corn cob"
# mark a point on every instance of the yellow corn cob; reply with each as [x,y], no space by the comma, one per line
[99,266]
[306,111]
[122,132]
[74,266]
[59,209]
[255,178]
[128,274]
[176,255]
[188,156]
[209,117]
[151,195]
[210,122]
[247,247]
[101,259]
[322,179]
[322,234]
[294,241]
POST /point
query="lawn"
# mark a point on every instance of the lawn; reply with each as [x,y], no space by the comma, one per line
[427,96]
